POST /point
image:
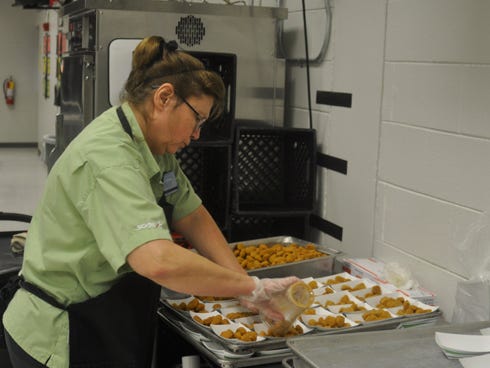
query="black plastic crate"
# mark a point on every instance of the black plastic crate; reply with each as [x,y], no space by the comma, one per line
[208,170]
[256,227]
[274,170]
[220,130]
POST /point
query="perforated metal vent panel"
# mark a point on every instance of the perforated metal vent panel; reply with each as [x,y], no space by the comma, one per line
[190,30]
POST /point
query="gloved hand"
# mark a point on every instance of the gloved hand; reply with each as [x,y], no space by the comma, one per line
[260,299]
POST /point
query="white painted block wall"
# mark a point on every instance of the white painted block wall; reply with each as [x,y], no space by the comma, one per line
[417,138]
[434,174]
[18,58]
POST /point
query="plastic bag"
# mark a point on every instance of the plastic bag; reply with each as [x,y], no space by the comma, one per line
[474,249]
[472,300]
[399,275]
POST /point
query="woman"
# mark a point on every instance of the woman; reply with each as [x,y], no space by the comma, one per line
[99,245]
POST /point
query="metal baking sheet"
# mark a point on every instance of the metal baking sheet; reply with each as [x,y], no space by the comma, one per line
[183,316]
[315,267]
[279,343]
[409,348]
[167,312]
[255,360]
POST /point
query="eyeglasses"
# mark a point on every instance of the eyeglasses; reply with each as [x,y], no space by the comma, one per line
[200,120]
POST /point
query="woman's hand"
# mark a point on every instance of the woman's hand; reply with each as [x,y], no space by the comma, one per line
[259,300]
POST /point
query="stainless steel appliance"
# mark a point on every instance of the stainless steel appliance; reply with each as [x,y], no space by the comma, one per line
[101,35]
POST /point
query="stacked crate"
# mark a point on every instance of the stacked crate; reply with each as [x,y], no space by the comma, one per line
[255,181]
[273,186]
[207,162]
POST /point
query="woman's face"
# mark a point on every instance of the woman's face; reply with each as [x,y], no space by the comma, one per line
[174,123]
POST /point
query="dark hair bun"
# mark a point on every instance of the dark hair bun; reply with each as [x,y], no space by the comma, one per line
[171,46]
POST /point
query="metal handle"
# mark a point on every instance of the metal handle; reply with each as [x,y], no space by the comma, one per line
[288,362]
[294,362]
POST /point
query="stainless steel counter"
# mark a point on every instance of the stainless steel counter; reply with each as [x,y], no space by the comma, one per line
[409,348]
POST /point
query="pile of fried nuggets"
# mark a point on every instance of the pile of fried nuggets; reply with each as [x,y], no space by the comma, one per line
[252,257]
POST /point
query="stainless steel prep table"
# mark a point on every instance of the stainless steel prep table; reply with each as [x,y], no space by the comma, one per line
[408,348]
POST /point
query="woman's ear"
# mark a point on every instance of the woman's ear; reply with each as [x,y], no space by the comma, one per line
[163,94]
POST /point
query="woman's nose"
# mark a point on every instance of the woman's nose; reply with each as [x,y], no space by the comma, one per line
[196,134]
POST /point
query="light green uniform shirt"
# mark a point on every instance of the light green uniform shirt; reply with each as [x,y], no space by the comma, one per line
[100,203]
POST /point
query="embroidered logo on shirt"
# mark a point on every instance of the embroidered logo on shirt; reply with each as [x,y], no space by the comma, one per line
[150,225]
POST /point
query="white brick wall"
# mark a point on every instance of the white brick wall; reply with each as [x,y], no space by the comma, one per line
[434,178]
[353,64]
[18,123]
[417,138]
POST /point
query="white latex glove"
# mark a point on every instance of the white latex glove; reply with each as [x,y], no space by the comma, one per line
[259,300]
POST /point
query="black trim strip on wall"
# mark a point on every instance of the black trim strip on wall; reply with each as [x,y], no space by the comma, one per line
[334,98]
[329,228]
[331,163]
[18,145]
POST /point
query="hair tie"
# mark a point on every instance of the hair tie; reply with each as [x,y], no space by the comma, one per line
[171,46]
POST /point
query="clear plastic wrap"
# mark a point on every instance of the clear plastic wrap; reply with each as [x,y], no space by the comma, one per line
[400,276]
[472,300]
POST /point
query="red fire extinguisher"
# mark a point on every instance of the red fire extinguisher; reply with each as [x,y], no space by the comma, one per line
[8,90]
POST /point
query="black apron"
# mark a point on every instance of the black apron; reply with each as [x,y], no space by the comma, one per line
[115,329]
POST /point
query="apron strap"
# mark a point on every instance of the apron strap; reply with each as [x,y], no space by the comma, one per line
[124,122]
[168,208]
[40,293]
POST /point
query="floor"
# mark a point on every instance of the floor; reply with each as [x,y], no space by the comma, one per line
[22,177]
